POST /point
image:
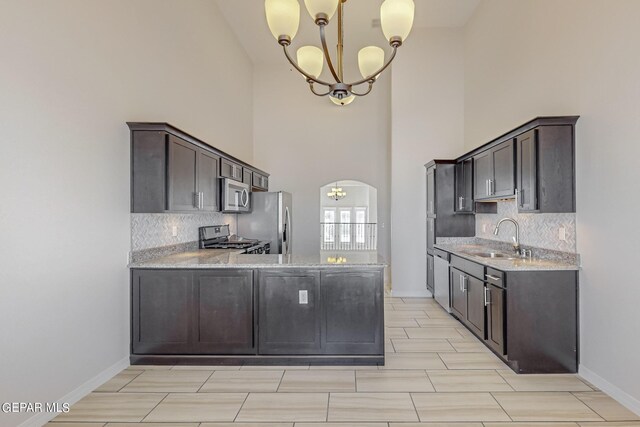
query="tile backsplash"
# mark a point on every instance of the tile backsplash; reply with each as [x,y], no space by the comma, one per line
[538,230]
[155,230]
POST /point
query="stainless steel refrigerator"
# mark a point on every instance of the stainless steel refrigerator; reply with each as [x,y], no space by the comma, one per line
[269,221]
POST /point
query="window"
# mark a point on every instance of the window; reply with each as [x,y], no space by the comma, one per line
[361,219]
[345,225]
[329,225]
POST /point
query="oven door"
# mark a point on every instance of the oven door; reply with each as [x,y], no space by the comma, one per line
[236,196]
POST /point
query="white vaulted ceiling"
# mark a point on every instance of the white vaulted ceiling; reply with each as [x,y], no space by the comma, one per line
[247,20]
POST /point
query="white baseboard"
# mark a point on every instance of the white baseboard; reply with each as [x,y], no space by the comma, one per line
[43,418]
[421,294]
[618,394]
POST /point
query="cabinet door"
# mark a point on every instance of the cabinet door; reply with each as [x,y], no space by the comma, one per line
[223,318]
[503,182]
[431,192]
[496,310]
[430,273]
[475,305]
[464,186]
[431,234]
[182,175]
[482,169]
[161,303]
[229,169]
[351,317]
[527,172]
[458,294]
[289,310]
[208,180]
[246,176]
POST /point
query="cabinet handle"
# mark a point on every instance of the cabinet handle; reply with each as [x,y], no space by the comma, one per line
[517,197]
[202,200]
[461,283]
[487,301]
[491,191]
[489,276]
[486,187]
[460,203]
[464,283]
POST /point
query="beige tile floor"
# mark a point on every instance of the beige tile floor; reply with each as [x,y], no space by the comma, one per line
[437,374]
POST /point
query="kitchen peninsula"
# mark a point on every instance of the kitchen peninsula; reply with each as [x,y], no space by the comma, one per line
[225,308]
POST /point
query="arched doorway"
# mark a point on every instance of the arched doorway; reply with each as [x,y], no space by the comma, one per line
[348,216]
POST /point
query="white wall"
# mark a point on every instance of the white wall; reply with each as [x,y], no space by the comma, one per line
[73,71]
[427,110]
[306,142]
[547,57]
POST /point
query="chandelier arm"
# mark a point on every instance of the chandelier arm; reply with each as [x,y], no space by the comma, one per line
[313,90]
[327,56]
[367,92]
[384,67]
[301,71]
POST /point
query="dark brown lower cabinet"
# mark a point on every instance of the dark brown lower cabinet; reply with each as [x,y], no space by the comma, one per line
[161,302]
[475,306]
[496,318]
[351,323]
[258,316]
[467,301]
[289,312]
[430,274]
[458,294]
[223,316]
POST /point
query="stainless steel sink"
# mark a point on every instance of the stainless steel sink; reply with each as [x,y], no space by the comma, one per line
[491,255]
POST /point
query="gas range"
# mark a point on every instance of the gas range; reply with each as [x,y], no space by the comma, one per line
[218,237]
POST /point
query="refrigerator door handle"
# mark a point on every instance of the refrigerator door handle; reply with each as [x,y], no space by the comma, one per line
[287,227]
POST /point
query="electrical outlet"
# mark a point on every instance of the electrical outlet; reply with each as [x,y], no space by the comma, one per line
[174,231]
[562,234]
[303,297]
[484,228]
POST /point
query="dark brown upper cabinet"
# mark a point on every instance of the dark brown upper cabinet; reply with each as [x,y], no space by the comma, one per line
[494,172]
[545,170]
[260,182]
[229,169]
[464,186]
[171,171]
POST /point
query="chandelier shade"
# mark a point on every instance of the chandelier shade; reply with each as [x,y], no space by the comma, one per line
[396,18]
[311,60]
[370,60]
[283,17]
[322,7]
[344,101]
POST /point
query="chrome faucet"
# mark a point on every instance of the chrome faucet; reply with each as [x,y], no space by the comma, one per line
[516,244]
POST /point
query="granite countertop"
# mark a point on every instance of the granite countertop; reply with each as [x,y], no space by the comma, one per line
[539,262]
[212,259]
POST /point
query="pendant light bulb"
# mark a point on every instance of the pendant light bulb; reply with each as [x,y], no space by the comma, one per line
[283,18]
[396,19]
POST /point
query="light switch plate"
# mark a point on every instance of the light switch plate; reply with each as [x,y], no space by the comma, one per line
[303,297]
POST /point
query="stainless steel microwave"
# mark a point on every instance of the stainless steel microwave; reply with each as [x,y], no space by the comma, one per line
[235,196]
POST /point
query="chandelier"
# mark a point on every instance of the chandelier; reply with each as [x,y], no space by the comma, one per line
[283,17]
[336,193]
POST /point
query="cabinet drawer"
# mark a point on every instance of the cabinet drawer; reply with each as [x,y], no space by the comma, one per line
[495,277]
[441,254]
[468,267]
